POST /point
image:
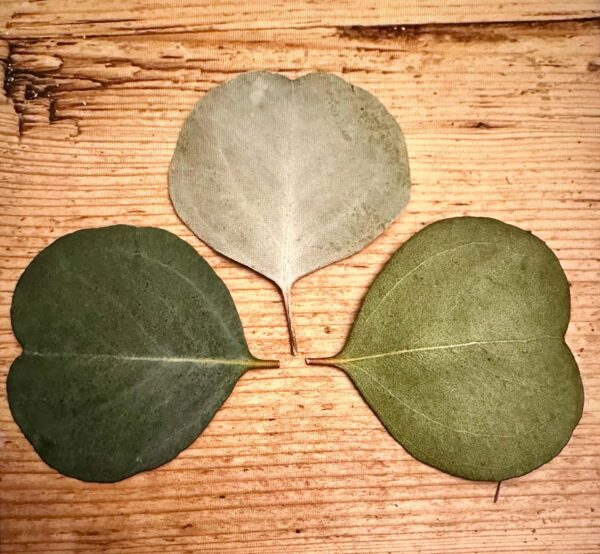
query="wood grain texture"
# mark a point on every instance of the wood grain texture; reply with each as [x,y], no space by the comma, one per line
[500,105]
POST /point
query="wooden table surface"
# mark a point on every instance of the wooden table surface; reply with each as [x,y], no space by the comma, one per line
[500,105]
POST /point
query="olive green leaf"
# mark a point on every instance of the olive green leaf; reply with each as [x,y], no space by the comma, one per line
[459,349]
[131,343]
[287,176]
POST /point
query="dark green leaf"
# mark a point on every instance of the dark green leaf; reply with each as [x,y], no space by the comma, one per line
[131,343]
[459,349]
[287,176]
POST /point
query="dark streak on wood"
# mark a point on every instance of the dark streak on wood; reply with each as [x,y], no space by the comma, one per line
[12,23]
[8,87]
[100,21]
[52,111]
[9,76]
[497,493]
[465,32]
[481,125]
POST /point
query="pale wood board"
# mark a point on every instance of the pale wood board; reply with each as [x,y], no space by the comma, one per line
[500,105]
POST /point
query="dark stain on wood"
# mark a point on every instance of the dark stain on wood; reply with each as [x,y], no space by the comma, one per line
[101,21]
[9,76]
[492,31]
[8,86]
[33,93]
[14,20]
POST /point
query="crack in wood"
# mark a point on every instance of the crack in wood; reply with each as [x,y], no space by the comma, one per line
[31,92]
[488,31]
[9,73]
[35,84]
[7,86]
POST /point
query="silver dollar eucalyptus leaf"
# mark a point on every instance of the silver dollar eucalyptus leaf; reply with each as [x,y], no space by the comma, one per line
[131,343]
[459,349]
[287,176]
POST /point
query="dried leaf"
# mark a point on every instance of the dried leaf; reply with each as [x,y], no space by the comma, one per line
[287,176]
[459,349]
[131,343]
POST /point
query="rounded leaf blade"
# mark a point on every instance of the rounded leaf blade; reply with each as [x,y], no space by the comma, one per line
[130,342]
[459,349]
[287,176]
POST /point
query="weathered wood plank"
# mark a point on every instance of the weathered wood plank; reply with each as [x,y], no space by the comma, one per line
[501,120]
[36,18]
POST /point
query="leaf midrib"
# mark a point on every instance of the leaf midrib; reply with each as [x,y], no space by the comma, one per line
[163,359]
[288,191]
[441,347]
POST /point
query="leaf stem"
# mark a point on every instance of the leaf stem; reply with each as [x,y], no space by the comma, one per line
[286,293]
[256,363]
[322,361]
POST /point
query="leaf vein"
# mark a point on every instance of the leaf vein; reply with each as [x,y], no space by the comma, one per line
[442,347]
[428,418]
[406,275]
[165,359]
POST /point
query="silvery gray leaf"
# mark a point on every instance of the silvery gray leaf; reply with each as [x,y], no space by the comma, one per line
[287,176]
